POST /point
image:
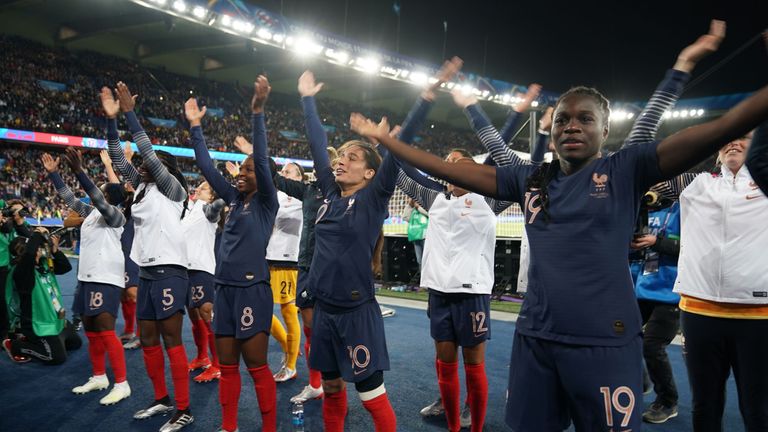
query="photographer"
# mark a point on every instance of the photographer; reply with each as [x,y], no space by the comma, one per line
[43,332]
[653,263]
[12,224]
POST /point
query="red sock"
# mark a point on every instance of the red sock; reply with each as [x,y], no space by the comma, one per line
[266,393]
[315,377]
[229,395]
[116,354]
[129,315]
[383,415]
[180,375]
[477,392]
[448,381]
[334,411]
[96,353]
[155,364]
[212,344]
[200,335]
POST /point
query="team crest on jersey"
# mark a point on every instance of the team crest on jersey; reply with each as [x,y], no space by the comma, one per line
[350,203]
[467,202]
[599,186]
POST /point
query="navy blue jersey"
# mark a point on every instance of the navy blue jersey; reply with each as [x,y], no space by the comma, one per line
[241,255]
[346,228]
[579,287]
[126,239]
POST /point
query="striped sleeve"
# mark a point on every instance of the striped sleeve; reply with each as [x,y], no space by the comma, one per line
[212,211]
[423,195]
[664,98]
[673,188]
[166,182]
[498,206]
[118,157]
[112,216]
[68,197]
[490,137]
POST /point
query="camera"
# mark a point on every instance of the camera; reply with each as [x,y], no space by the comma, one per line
[650,202]
[9,211]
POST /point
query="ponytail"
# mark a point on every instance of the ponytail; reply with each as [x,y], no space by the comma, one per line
[540,180]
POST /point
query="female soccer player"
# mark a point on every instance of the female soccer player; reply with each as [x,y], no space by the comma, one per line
[243,304]
[283,256]
[582,197]
[200,234]
[722,284]
[159,250]
[348,331]
[99,274]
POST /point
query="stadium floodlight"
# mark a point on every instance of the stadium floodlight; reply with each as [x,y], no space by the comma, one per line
[506,98]
[700,112]
[404,73]
[339,56]
[684,113]
[432,80]
[450,85]
[306,46]
[675,114]
[630,115]
[242,26]
[419,78]
[667,114]
[485,93]
[535,103]
[368,64]
[159,2]
[277,37]
[466,89]
[226,20]
[200,12]
[692,113]
[264,34]
[180,6]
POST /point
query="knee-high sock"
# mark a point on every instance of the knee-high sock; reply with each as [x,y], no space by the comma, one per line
[384,419]
[266,393]
[200,335]
[116,353]
[229,395]
[315,377]
[278,332]
[96,351]
[293,340]
[212,344]
[129,315]
[180,375]
[477,393]
[155,364]
[448,381]
[334,411]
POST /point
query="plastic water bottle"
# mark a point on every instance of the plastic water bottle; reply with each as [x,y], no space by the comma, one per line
[297,418]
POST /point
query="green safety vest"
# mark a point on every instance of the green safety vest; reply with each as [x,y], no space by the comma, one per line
[417,226]
[45,318]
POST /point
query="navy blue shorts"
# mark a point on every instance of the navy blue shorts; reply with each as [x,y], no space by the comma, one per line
[93,298]
[460,317]
[596,387]
[201,288]
[304,298]
[159,299]
[242,312]
[131,273]
[351,344]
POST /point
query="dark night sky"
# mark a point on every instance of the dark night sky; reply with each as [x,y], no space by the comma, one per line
[620,47]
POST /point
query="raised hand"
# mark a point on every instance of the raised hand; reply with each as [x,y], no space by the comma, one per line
[232,168]
[128,151]
[533,92]
[545,122]
[104,156]
[463,99]
[129,187]
[109,103]
[193,112]
[243,145]
[74,159]
[261,91]
[49,163]
[127,101]
[704,46]
[446,73]
[365,127]
[307,84]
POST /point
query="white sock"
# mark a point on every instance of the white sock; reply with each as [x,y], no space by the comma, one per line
[373,394]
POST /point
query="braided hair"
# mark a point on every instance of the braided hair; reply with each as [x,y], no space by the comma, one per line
[169,161]
[544,174]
